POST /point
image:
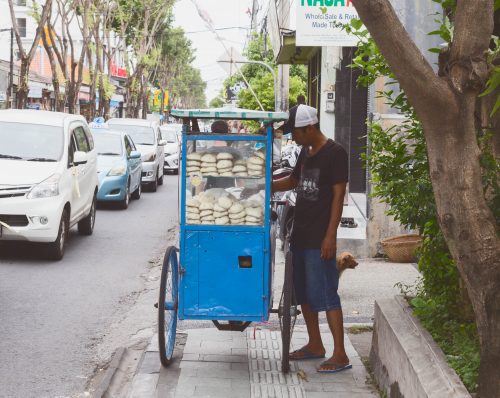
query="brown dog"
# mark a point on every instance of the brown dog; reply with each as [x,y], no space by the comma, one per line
[345,260]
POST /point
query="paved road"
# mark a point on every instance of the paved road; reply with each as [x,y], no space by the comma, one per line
[53,314]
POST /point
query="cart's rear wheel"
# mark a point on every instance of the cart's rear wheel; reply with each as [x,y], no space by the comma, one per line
[287,313]
[167,305]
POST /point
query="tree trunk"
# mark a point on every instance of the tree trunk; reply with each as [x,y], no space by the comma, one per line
[468,226]
[446,106]
[22,87]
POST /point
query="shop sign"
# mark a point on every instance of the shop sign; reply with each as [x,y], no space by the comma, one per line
[35,92]
[317,23]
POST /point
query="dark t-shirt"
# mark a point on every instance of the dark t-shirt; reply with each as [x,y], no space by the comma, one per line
[316,175]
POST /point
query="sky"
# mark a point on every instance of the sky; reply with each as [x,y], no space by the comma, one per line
[232,22]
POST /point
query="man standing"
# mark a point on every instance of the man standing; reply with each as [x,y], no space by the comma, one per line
[320,176]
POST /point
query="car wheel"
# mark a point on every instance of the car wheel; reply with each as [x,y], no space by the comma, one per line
[125,202]
[137,193]
[154,185]
[86,225]
[160,180]
[55,250]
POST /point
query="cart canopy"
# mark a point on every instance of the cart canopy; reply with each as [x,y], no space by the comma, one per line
[230,113]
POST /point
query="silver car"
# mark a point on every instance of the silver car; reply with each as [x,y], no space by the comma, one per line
[148,141]
[172,133]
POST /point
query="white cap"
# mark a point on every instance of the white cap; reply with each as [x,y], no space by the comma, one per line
[306,116]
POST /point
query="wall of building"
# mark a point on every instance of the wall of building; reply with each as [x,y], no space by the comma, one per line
[330,61]
[419,18]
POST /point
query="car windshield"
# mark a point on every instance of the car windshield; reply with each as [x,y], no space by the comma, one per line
[142,135]
[108,144]
[169,136]
[35,142]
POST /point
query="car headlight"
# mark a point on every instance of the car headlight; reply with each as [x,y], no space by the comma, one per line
[117,171]
[46,189]
[150,158]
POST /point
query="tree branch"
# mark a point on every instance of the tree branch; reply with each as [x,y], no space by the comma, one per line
[426,91]
[467,64]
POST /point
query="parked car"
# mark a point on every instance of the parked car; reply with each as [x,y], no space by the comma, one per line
[147,139]
[172,133]
[48,177]
[119,167]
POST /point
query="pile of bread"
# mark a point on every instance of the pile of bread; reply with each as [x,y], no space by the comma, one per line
[225,165]
[218,207]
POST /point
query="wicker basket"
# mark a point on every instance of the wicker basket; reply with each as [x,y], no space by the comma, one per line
[401,248]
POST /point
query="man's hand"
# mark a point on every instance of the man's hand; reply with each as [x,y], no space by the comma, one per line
[328,248]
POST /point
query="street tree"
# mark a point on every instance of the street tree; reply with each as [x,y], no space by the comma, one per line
[66,52]
[176,55]
[140,22]
[453,113]
[261,79]
[40,17]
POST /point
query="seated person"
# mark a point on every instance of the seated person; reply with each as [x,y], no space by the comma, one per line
[220,127]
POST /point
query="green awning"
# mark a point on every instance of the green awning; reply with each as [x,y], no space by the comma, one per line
[293,55]
[230,113]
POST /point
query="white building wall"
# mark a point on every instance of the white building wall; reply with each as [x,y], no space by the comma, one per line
[330,61]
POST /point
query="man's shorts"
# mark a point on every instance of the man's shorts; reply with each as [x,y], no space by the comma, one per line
[315,280]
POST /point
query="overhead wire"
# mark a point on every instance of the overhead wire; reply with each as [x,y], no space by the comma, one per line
[208,21]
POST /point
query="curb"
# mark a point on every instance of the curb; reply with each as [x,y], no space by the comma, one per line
[103,387]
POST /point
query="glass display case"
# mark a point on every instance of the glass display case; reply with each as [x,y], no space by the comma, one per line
[225,181]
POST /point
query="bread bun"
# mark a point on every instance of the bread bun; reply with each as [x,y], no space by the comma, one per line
[209,158]
[194,156]
[225,202]
[255,160]
[224,156]
[222,221]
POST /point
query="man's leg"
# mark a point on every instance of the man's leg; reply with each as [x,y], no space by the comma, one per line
[339,357]
[315,344]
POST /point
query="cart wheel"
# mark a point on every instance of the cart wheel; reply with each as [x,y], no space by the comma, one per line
[167,305]
[287,313]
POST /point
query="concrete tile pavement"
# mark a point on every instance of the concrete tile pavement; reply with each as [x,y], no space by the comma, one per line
[225,364]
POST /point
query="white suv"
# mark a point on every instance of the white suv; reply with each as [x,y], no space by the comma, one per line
[48,177]
[147,139]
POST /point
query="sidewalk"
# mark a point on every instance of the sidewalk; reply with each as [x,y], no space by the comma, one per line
[211,363]
[222,364]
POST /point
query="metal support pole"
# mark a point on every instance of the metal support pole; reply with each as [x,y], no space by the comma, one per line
[11,77]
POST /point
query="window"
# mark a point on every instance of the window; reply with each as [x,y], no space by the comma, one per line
[21,25]
[21,3]
[81,139]
[71,150]
[90,138]
[128,147]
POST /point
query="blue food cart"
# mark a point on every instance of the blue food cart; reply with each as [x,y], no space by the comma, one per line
[223,269]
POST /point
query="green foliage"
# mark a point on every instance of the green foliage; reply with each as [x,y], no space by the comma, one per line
[261,79]
[459,340]
[108,88]
[400,174]
[493,82]
[216,102]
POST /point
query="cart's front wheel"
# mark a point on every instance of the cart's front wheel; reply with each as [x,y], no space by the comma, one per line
[167,305]
[287,313]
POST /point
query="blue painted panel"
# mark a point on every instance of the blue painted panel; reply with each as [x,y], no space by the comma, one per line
[214,286]
[189,280]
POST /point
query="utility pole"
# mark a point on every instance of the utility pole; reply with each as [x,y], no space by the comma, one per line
[10,90]
[255,9]
[10,95]
[283,70]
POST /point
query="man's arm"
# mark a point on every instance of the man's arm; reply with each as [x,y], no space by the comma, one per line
[329,244]
[284,184]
